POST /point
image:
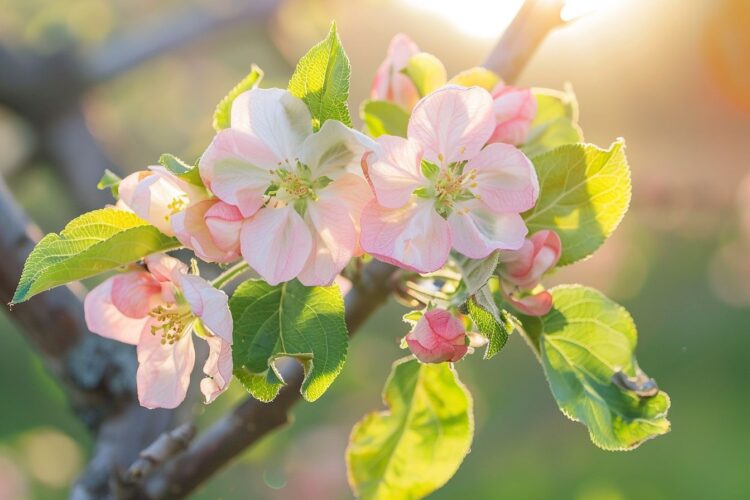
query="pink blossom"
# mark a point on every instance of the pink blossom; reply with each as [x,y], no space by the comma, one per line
[157,309]
[156,194]
[439,189]
[437,337]
[390,84]
[521,272]
[515,109]
[301,192]
[211,228]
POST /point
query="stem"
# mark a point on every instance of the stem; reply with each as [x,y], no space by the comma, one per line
[230,274]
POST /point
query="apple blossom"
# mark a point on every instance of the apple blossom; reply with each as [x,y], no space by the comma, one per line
[301,192]
[437,337]
[521,272]
[156,194]
[211,228]
[515,109]
[157,309]
[439,188]
[390,84]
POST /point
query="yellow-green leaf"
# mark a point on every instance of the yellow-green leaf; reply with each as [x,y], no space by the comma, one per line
[426,72]
[321,79]
[476,77]
[417,445]
[93,243]
[584,194]
[383,117]
[555,122]
[586,345]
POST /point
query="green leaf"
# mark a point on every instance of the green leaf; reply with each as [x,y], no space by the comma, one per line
[555,123]
[223,112]
[384,118]
[586,344]
[417,445]
[496,330]
[476,273]
[110,180]
[426,72]
[584,194]
[288,320]
[182,170]
[93,243]
[321,79]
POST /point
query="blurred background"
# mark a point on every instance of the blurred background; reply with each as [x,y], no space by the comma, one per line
[672,77]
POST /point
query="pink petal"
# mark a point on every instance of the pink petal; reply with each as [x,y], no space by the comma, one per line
[103,318]
[209,304]
[276,118]
[389,83]
[191,226]
[355,193]
[452,123]
[515,109]
[218,368]
[135,294]
[506,179]
[525,268]
[164,370]
[476,231]
[335,150]
[437,337]
[236,168]
[414,237]
[395,172]
[224,222]
[165,268]
[334,241]
[154,197]
[537,304]
[276,243]
[445,325]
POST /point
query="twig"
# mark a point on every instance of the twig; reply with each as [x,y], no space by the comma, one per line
[166,446]
[252,420]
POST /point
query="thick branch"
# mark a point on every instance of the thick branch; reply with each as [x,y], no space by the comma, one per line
[252,420]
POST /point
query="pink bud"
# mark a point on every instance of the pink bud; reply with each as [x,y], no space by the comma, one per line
[211,229]
[524,268]
[515,109]
[389,83]
[537,304]
[437,337]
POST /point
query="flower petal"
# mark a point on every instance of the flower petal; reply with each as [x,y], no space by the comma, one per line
[191,226]
[355,193]
[395,171]
[103,318]
[506,179]
[209,304]
[218,368]
[135,294]
[236,168]
[164,370]
[164,267]
[334,241]
[276,243]
[389,83]
[536,304]
[278,119]
[414,237]
[335,149]
[476,231]
[515,109]
[452,123]
[153,196]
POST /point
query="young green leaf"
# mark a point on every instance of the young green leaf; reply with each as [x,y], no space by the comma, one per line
[584,194]
[321,79]
[384,118]
[417,445]
[476,77]
[476,272]
[187,173]
[586,345]
[223,112]
[288,320]
[555,123]
[426,72]
[111,181]
[495,329]
[93,243]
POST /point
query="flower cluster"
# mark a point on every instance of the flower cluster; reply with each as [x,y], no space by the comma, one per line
[299,203]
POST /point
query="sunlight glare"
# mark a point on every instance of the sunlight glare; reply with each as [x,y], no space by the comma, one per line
[479,18]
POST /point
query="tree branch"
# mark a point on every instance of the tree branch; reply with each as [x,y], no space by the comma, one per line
[252,420]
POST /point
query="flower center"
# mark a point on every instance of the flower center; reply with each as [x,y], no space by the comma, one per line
[178,204]
[172,322]
[296,187]
[449,185]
